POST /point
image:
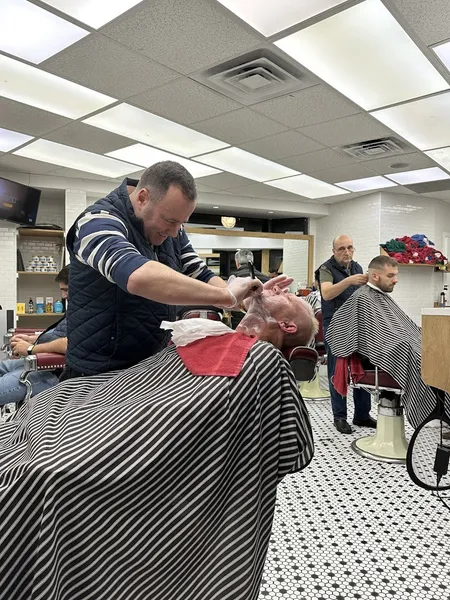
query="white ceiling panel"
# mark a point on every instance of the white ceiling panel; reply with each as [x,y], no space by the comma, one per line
[430,20]
[413,160]
[280,145]
[9,162]
[239,126]
[27,119]
[348,130]
[94,13]
[116,70]
[260,190]
[315,161]
[314,104]
[186,36]
[224,181]
[85,137]
[344,173]
[424,123]
[198,102]
[75,174]
[365,54]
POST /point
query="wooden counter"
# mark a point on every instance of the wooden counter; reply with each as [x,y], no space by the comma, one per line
[436,347]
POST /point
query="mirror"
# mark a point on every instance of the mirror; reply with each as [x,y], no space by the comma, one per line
[290,253]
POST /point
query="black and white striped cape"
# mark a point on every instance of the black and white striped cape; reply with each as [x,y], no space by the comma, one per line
[149,483]
[372,324]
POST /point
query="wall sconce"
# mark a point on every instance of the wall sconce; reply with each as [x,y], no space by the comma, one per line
[228,222]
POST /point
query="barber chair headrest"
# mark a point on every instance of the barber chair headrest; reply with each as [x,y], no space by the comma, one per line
[303,362]
[196,313]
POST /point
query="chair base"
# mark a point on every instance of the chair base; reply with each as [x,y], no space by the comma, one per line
[389,444]
[311,390]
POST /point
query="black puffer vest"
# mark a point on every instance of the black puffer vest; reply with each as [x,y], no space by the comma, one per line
[329,307]
[109,328]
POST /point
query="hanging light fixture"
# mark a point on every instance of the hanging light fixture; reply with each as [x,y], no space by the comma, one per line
[228,222]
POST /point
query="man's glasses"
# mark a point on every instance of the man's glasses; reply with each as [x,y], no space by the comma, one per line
[343,249]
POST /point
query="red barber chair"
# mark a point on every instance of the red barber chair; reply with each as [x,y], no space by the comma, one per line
[47,361]
[389,443]
[311,389]
[303,361]
[196,313]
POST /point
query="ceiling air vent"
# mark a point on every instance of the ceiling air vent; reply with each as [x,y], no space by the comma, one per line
[256,76]
[374,148]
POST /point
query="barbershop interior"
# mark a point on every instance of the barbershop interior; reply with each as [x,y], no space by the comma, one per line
[229,221]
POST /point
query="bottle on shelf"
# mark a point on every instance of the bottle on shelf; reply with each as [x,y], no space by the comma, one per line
[58,306]
[30,306]
[443,297]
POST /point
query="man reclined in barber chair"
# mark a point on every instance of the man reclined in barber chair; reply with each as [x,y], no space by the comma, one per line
[372,325]
[153,482]
[53,339]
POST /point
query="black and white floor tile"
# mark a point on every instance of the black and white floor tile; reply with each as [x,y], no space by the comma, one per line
[351,528]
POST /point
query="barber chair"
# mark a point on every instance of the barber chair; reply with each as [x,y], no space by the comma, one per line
[12,332]
[389,444]
[303,361]
[47,361]
[311,389]
[197,313]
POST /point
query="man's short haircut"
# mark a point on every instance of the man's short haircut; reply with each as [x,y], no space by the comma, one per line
[382,261]
[63,276]
[243,257]
[307,327]
[159,177]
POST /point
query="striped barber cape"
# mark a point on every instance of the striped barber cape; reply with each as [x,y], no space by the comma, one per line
[149,483]
[372,324]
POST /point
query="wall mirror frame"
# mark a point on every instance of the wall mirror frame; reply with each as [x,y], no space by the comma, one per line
[194,232]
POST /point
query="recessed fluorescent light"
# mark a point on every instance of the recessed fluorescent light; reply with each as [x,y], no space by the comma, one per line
[12,139]
[34,87]
[34,34]
[244,163]
[441,156]
[418,176]
[366,183]
[216,206]
[66,156]
[145,127]
[425,122]
[269,17]
[365,54]
[307,186]
[93,12]
[146,156]
[443,51]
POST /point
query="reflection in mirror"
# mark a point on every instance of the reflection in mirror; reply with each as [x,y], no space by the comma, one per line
[291,254]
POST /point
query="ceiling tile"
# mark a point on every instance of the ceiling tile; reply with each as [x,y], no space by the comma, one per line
[281,145]
[344,173]
[316,161]
[431,20]
[198,102]
[116,70]
[239,126]
[80,135]
[445,196]
[224,181]
[356,128]
[415,160]
[26,119]
[186,36]
[259,190]
[311,105]
[75,174]
[19,164]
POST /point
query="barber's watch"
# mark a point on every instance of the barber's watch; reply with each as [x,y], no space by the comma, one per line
[30,349]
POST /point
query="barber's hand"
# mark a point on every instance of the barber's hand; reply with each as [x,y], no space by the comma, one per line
[240,288]
[358,279]
[282,281]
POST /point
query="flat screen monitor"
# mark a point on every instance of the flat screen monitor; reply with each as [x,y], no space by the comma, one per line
[18,203]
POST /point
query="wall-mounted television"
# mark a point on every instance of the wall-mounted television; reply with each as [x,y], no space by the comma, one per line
[18,203]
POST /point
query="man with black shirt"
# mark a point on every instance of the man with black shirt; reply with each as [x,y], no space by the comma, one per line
[339,277]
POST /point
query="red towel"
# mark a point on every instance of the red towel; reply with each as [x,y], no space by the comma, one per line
[341,373]
[221,355]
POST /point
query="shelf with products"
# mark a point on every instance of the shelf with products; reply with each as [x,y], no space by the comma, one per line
[45,314]
[54,233]
[433,266]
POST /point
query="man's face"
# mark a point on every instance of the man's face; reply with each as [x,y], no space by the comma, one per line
[386,279]
[64,288]
[277,303]
[163,219]
[343,250]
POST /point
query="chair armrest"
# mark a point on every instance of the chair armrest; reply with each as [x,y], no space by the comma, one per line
[46,361]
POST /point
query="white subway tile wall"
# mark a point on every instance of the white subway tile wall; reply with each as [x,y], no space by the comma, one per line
[8,265]
[295,262]
[51,211]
